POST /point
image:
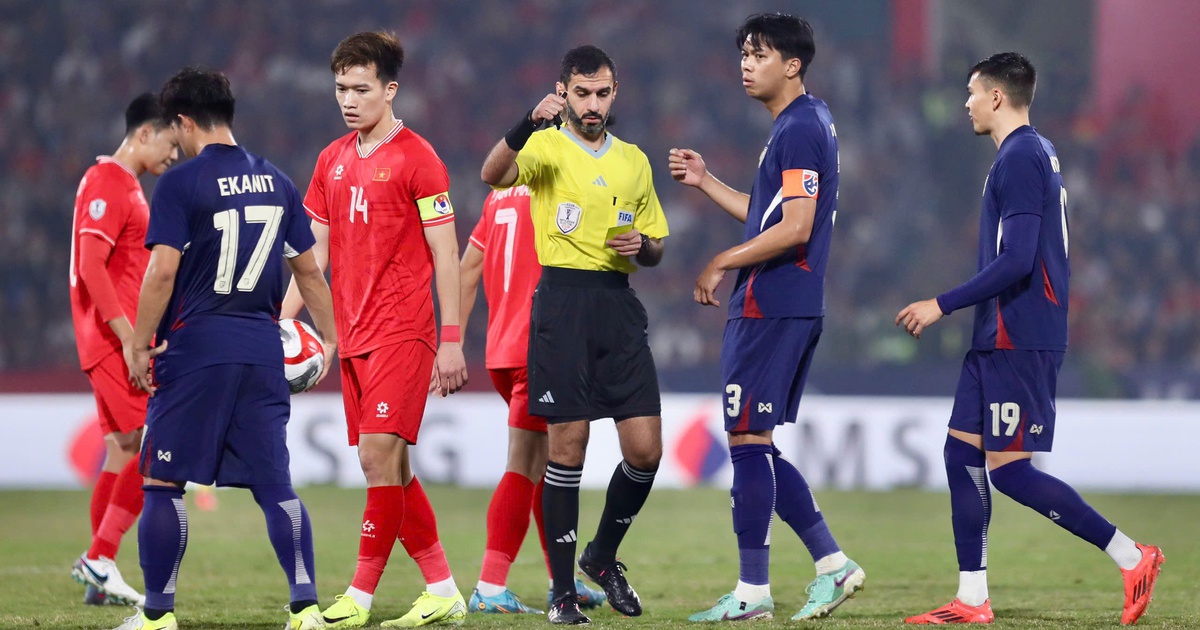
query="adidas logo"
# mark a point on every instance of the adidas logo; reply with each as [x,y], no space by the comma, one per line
[599,181]
[569,538]
[547,398]
[626,521]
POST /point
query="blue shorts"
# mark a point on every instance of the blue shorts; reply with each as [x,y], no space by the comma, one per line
[1007,396]
[764,363]
[224,423]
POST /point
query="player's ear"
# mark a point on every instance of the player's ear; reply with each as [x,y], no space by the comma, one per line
[389,91]
[793,68]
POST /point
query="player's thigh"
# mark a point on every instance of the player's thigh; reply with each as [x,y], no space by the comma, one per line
[1019,387]
[626,381]
[764,363]
[518,401]
[186,422]
[353,370]
[255,450]
[395,387]
[120,406]
[559,368]
[967,413]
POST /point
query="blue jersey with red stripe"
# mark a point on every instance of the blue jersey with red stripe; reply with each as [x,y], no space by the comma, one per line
[1030,314]
[800,161]
[234,216]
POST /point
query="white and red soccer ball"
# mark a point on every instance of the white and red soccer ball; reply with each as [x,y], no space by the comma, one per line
[303,354]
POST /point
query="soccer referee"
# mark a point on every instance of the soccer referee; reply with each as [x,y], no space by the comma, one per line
[594,213]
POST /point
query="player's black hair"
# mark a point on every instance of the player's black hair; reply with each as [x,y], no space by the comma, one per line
[585,60]
[380,49]
[143,109]
[790,35]
[1013,72]
[202,95]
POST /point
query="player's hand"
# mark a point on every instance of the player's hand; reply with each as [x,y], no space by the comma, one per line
[137,360]
[449,369]
[687,167]
[627,244]
[551,106]
[918,316]
[330,357]
[706,284]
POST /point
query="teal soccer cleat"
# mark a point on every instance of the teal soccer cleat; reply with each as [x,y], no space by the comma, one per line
[504,603]
[730,608]
[829,590]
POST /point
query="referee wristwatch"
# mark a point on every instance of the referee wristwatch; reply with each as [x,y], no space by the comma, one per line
[645,243]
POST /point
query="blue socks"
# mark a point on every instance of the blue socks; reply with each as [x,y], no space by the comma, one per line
[162,539]
[753,495]
[290,532]
[795,504]
[1053,499]
[970,502]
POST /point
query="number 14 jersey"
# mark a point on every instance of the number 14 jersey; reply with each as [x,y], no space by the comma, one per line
[377,204]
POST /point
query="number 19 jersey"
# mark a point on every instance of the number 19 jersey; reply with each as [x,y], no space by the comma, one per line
[377,204]
[234,217]
[510,274]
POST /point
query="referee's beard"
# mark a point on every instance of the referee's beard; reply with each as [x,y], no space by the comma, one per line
[590,130]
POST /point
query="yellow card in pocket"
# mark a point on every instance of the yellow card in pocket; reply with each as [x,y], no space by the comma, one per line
[614,231]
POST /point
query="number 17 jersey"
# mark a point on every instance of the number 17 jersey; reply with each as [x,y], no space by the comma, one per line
[377,205]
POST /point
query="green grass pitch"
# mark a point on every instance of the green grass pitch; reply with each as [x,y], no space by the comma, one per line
[681,556]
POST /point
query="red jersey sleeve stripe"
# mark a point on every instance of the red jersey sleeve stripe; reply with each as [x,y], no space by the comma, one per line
[478,244]
[449,218]
[111,241]
[317,217]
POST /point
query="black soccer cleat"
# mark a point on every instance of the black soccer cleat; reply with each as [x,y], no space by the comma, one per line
[564,611]
[611,577]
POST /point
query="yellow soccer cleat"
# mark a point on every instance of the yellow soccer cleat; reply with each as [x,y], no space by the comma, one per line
[345,613]
[431,609]
[307,619]
[139,621]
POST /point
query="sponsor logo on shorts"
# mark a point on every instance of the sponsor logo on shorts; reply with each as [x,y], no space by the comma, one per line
[547,398]
[381,410]
[1036,429]
[164,456]
[764,408]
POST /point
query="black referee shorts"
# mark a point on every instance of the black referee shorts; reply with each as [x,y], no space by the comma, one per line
[589,355]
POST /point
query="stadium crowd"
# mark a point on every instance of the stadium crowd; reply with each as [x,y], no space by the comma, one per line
[911,175]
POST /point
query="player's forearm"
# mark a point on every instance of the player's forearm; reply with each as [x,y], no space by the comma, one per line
[314,291]
[1014,263]
[777,240]
[737,204]
[293,301]
[500,167]
[121,327]
[468,277]
[445,273]
[152,303]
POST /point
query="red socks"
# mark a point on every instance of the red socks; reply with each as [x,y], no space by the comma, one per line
[507,524]
[382,517]
[418,534]
[122,509]
[101,494]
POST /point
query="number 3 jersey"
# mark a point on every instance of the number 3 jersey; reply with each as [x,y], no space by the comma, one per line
[377,204]
[234,217]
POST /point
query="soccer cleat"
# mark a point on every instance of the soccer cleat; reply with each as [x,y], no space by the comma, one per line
[307,619]
[587,596]
[93,596]
[829,590]
[611,577]
[345,613]
[955,612]
[139,621]
[504,603]
[430,609]
[564,611]
[1139,583]
[730,608]
[106,577]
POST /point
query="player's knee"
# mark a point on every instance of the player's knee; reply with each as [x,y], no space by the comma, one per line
[1009,477]
[645,458]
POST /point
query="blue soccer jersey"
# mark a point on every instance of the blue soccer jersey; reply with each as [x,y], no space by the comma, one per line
[234,216]
[800,160]
[1032,313]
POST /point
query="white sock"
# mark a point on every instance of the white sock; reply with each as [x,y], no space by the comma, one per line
[972,587]
[751,593]
[487,589]
[445,588]
[1123,551]
[363,598]
[831,563]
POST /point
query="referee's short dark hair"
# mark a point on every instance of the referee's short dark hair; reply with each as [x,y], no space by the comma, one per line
[790,35]
[1012,72]
[144,109]
[585,60]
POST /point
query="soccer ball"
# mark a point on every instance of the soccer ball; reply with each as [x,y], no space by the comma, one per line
[303,354]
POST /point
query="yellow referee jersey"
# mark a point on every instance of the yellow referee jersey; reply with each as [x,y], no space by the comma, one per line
[580,196]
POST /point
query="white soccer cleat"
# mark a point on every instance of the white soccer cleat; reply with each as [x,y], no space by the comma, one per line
[105,576]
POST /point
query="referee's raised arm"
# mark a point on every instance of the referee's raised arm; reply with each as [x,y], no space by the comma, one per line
[500,167]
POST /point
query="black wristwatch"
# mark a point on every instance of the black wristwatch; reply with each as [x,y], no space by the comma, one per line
[645,243]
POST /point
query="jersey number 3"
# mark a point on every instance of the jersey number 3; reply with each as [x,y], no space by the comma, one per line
[227,222]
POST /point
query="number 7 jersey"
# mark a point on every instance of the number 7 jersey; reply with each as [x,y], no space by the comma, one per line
[377,204]
[510,274]
[234,217]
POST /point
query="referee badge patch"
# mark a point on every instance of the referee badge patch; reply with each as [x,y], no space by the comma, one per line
[568,217]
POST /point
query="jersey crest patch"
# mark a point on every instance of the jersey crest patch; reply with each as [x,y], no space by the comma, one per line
[441,204]
[568,217]
[382,175]
[811,182]
[97,208]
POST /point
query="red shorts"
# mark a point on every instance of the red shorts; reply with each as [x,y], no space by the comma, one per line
[120,405]
[384,391]
[513,385]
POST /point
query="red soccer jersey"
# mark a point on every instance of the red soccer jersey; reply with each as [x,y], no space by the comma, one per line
[510,274]
[377,205]
[109,205]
